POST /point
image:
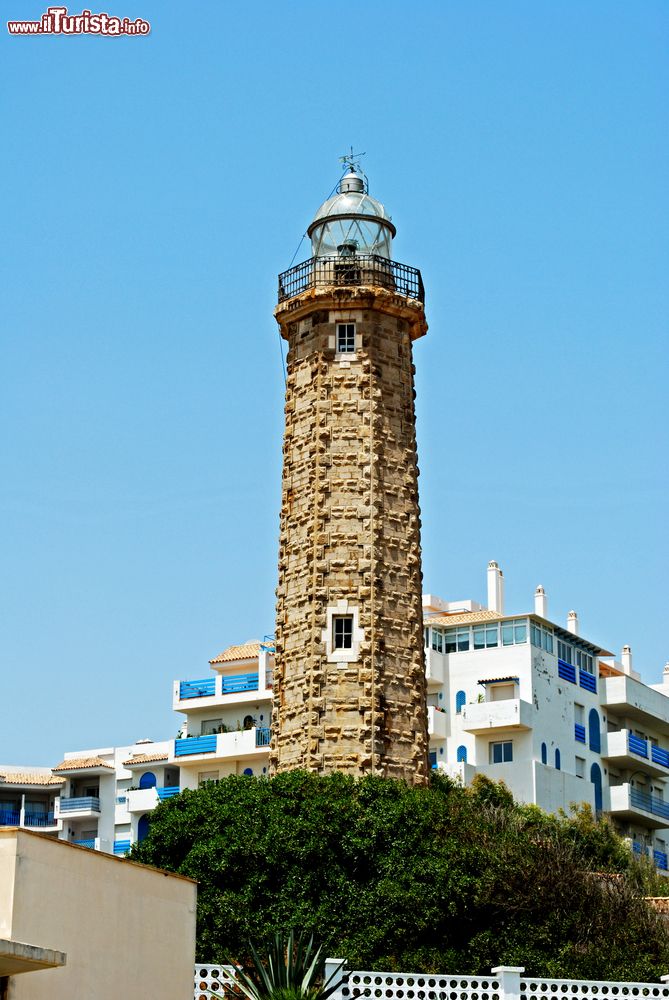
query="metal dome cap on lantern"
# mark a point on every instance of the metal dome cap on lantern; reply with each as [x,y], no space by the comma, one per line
[351,221]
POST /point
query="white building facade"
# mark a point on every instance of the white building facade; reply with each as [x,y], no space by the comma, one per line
[549,712]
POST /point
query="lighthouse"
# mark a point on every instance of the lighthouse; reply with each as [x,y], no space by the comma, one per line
[349,681]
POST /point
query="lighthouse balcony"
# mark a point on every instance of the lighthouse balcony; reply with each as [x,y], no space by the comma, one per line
[354,269]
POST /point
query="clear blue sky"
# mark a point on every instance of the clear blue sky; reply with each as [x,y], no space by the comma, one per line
[152,189]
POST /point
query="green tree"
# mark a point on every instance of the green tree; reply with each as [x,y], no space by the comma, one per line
[437,879]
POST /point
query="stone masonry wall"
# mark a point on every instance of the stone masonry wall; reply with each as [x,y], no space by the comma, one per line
[350,541]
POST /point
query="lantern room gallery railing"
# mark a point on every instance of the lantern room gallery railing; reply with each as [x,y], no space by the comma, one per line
[356,269]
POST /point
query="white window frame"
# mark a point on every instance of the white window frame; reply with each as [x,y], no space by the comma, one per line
[349,338]
[352,655]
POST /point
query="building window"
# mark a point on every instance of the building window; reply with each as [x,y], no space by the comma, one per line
[460,700]
[541,637]
[580,767]
[345,338]
[456,640]
[461,755]
[342,631]
[594,736]
[544,753]
[205,776]
[514,633]
[437,640]
[501,753]
[557,760]
[486,636]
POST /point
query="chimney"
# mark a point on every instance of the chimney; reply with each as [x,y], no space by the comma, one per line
[540,602]
[495,588]
[626,659]
[572,623]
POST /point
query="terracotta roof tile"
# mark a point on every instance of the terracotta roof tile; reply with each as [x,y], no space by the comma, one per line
[144,758]
[245,651]
[29,778]
[465,618]
[79,763]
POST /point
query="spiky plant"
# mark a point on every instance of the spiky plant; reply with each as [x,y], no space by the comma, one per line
[288,969]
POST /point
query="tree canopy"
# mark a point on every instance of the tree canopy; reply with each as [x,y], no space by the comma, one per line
[437,879]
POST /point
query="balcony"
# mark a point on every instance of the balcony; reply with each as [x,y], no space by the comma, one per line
[244,686]
[436,723]
[357,269]
[242,743]
[37,820]
[82,805]
[579,733]
[10,817]
[167,792]
[121,847]
[629,697]
[629,751]
[434,669]
[513,714]
[632,804]
[141,800]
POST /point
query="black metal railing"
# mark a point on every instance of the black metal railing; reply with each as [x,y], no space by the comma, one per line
[357,269]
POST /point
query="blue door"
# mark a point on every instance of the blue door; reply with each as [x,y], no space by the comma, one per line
[143,827]
[148,780]
[596,779]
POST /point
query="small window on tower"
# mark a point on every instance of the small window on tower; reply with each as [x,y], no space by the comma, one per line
[342,626]
[345,338]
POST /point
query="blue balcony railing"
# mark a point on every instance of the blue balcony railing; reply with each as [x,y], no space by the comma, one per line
[197,689]
[194,744]
[579,733]
[649,803]
[566,671]
[38,819]
[659,756]
[9,817]
[637,848]
[263,736]
[89,803]
[85,843]
[121,846]
[240,682]
[637,745]
[660,860]
[168,792]
[587,681]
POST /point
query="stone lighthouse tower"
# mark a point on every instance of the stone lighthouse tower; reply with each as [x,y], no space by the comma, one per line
[350,690]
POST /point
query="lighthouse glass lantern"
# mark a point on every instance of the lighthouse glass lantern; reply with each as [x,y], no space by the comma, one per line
[351,222]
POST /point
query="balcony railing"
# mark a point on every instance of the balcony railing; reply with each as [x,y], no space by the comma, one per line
[194,744]
[660,860]
[263,736]
[38,819]
[168,792]
[637,745]
[121,846]
[566,671]
[358,269]
[587,681]
[85,843]
[9,817]
[90,803]
[240,682]
[659,756]
[649,803]
[579,733]
[197,689]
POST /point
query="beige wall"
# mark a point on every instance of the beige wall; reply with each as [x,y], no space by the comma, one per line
[128,931]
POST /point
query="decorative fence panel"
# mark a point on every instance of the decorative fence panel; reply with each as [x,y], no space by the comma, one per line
[504,983]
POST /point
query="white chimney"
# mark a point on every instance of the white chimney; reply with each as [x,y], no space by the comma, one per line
[495,588]
[572,623]
[540,602]
[626,659]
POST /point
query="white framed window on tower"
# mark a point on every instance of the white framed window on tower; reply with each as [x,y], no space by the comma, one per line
[342,631]
[345,338]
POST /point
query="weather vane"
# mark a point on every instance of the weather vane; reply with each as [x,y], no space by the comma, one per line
[351,160]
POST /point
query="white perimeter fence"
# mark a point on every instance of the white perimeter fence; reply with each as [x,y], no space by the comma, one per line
[504,983]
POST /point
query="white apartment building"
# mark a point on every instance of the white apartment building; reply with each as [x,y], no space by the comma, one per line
[519,698]
[549,712]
